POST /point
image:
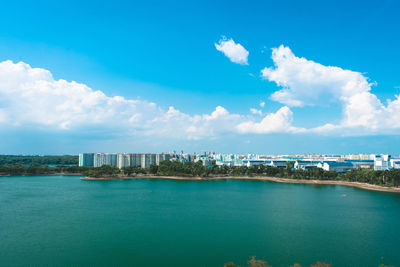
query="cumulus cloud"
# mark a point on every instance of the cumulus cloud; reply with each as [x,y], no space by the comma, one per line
[307,83]
[181,125]
[31,97]
[234,51]
[272,123]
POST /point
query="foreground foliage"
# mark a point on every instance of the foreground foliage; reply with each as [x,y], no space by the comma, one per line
[260,263]
[253,262]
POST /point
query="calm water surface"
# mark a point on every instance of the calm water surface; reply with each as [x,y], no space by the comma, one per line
[61,220]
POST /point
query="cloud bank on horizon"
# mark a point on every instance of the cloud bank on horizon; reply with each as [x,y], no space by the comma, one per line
[31,97]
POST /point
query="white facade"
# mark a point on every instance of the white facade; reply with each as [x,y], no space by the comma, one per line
[336,166]
[381,162]
[123,160]
[395,163]
[305,164]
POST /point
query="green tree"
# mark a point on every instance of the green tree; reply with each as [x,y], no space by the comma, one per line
[289,165]
[321,264]
[257,263]
[153,169]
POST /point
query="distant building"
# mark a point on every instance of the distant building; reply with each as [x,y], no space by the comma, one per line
[359,157]
[207,162]
[147,160]
[123,160]
[86,159]
[111,159]
[355,157]
[135,160]
[279,163]
[339,163]
[101,159]
[337,166]
[395,163]
[365,157]
[162,157]
[305,164]
[254,161]
[362,164]
[381,162]
[330,158]
[141,160]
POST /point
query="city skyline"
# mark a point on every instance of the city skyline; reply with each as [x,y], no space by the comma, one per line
[198,78]
[338,163]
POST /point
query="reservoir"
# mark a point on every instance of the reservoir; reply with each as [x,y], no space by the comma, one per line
[64,221]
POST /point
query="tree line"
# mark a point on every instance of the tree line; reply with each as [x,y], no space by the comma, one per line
[39,160]
[20,169]
[196,169]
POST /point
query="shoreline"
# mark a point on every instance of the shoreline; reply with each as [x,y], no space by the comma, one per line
[360,185]
[259,178]
[45,174]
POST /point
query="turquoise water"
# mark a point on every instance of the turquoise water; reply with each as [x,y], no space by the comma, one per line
[64,221]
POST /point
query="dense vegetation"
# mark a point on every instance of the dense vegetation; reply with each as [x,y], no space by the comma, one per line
[19,169]
[191,169]
[253,262]
[103,171]
[196,169]
[38,160]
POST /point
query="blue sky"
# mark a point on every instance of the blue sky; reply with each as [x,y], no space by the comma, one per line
[163,53]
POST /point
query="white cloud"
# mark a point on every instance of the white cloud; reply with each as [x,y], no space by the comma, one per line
[272,123]
[305,82]
[3,117]
[31,97]
[234,51]
[196,127]
[256,111]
